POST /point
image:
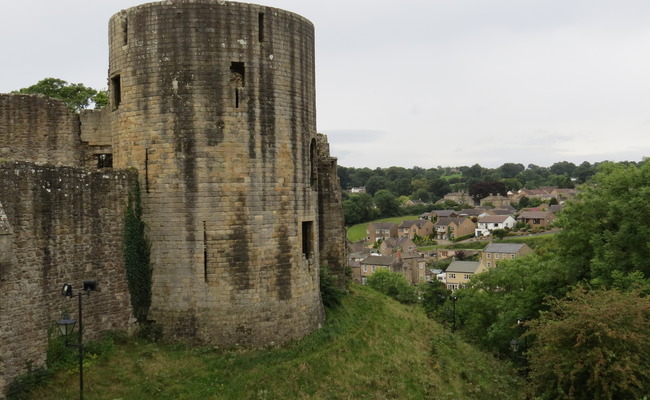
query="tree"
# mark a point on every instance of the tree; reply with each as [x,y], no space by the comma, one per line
[376,183]
[605,230]
[75,95]
[394,285]
[387,203]
[592,345]
[359,208]
[510,170]
[433,298]
[421,194]
[481,190]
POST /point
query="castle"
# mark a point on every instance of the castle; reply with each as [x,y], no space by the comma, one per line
[212,112]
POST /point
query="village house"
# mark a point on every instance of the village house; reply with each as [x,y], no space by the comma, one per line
[495,252]
[459,197]
[451,228]
[377,231]
[537,218]
[392,245]
[373,263]
[412,227]
[459,273]
[489,223]
[495,201]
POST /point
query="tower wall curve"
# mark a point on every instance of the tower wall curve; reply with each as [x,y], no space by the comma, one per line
[213,103]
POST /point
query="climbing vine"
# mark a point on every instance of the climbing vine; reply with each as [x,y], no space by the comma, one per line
[137,257]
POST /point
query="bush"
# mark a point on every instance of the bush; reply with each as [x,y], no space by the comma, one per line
[330,293]
[394,285]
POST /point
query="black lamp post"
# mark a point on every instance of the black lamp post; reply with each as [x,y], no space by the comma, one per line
[66,327]
[453,326]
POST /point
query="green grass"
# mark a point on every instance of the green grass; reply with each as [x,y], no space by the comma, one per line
[358,231]
[371,347]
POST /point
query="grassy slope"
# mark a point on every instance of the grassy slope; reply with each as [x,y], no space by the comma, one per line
[370,348]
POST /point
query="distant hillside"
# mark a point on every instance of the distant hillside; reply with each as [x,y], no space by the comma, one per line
[370,348]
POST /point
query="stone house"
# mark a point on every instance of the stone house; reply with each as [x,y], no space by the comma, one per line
[392,245]
[410,228]
[495,252]
[451,228]
[495,201]
[537,218]
[459,197]
[373,263]
[380,230]
[459,273]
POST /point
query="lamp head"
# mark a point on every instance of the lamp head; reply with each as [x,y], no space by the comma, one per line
[66,290]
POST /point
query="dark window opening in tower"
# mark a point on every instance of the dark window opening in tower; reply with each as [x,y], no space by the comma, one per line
[116,85]
[313,174]
[237,70]
[261,27]
[146,170]
[125,31]
[104,161]
[307,238]
[237,74]
[205,253]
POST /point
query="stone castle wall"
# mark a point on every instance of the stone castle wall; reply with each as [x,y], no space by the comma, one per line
[213,111]
[58,225]
[38,129]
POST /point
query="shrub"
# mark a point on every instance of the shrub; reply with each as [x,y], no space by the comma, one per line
[394,285]
[330,293]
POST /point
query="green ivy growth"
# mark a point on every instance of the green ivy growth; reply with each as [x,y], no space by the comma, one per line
[137,257]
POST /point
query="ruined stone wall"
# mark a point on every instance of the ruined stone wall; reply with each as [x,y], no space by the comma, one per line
[214,103]
[97,136]
[332,222]
[38,129]
[58,225]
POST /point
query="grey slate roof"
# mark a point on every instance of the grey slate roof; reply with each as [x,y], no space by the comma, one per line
[511,248]
[378,260]
[463,267]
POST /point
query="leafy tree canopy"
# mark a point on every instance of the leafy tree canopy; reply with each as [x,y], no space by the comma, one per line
[75,95]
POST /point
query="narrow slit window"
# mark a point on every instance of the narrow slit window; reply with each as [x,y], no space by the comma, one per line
[125,31]
[116,85]
[261,26]
[307,238]
[236,98]
[146,170]
[205,252]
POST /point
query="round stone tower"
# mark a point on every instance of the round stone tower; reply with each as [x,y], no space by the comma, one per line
[213,102]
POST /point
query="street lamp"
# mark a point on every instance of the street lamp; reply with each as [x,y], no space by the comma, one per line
[66,326]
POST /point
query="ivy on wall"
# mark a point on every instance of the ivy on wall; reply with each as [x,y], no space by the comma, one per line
[137,260]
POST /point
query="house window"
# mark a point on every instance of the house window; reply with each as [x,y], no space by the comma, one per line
[373,268]
[468,276]
[116,85]
[452,276]
[496,256]
[512,256]
[363,280]
[307,238]
[489,264]
[365,268]
[487,255]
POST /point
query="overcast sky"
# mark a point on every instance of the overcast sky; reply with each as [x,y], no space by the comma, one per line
[419,82]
